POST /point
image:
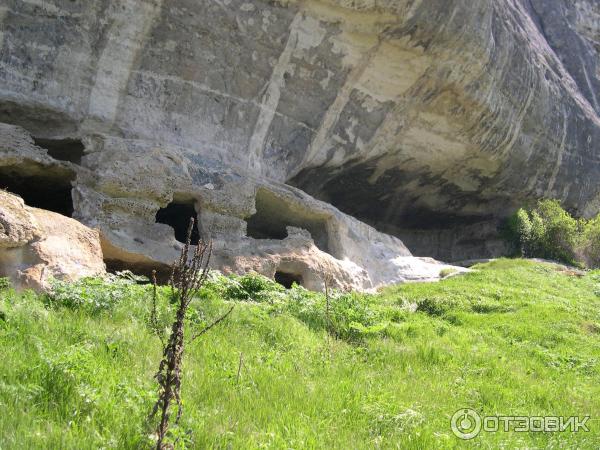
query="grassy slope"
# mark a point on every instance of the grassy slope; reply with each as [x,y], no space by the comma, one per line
[514,337]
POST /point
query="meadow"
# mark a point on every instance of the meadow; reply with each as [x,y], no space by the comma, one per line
[290,369]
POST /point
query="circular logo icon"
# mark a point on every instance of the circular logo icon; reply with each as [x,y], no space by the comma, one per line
[466,423]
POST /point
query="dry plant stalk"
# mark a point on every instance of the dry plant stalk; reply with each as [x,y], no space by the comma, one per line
[153,322]
[327,280]
[187,277]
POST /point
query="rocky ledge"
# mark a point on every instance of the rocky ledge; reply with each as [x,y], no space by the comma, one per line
[141,202]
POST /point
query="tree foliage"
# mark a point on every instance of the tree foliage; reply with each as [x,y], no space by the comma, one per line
[548,231]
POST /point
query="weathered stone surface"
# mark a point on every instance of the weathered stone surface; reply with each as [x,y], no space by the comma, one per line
[457,243]
[17,226]
[37,245]
[402,113]
[255,224]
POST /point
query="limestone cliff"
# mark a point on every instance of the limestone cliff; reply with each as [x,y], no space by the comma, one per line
[406,114]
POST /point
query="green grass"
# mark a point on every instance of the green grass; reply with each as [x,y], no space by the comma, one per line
[512,338]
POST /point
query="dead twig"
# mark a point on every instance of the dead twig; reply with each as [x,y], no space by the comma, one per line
[330,326]
[154,325]
[215,323]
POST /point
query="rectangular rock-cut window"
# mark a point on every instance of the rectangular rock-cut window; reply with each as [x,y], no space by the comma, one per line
[274,214]
[70,150]
[40,187]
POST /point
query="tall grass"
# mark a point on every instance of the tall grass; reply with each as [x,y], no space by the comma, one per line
[513,337]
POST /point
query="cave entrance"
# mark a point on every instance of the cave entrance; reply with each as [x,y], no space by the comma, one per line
[274,214]
[177,215]
[403,203]
[70,150]
[288,279]
[40,187]
[162,271]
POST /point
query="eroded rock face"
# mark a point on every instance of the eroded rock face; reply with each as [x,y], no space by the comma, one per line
[38,245]
[406,114]
[122,186]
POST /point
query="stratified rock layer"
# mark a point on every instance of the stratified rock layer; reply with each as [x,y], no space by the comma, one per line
[407,114]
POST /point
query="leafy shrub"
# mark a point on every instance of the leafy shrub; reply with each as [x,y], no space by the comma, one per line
[351,316]
[432,306]
[253,287]
[559,234]
[356,315]
[548,231]
[92,294]
[4,283]
[591,246]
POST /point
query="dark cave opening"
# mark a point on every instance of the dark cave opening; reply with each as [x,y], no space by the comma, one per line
[177,215]
[70,150]
[382,204]
[163,271]
[274,214]
[41,188]
[288,279]
[443,230]
[262,227]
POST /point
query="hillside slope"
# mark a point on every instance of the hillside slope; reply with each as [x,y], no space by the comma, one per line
[513,337]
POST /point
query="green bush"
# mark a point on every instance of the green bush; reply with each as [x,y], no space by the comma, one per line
[4,283]
[591,247]
[252,287]
[351,316]
[548,231]
[92,294]
[433,306]
[560,233]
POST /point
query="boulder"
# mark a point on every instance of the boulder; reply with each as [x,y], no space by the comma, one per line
[37,246]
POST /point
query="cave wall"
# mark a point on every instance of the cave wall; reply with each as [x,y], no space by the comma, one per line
[396,112]
[459,242]
[121,187]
